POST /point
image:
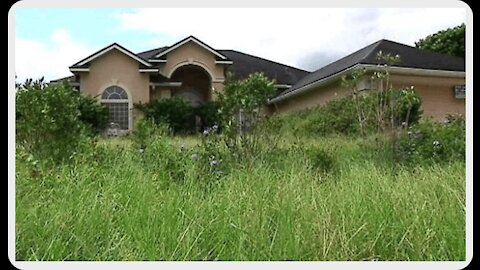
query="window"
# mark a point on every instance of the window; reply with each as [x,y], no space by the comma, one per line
[460,91]
[115,99]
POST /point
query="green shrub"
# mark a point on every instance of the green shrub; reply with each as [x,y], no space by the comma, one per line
[430,141]
[407,106]
[146,132]
[92,114]
[336,117]
[47,120]
[177,113]
[340,116]
[209,113]
[241,101]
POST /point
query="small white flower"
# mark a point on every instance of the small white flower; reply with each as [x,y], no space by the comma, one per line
[141,150]
[436,143]
[206,132]
[194,157]
[182,147]
[213,163]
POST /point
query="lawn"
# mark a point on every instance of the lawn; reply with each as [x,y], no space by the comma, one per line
[114,202]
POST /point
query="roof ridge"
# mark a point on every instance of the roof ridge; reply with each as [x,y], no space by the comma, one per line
[419,50]
[254,56]
[374,47]
[153,49]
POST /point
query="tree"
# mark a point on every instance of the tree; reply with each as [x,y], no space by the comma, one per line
[450,41]
[241,100]
[47,119]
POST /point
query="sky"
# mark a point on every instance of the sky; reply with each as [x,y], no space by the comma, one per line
[49,40]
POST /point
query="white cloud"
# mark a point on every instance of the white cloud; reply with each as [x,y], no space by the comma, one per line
[291,35]
[306,38]
[34,59]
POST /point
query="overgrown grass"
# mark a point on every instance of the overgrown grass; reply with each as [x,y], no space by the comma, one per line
[119,204]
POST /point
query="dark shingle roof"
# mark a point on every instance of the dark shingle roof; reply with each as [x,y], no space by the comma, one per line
[245,64]
[151,53]
[411,57]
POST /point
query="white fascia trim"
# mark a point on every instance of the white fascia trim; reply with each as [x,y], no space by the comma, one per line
[395,70]
[148,70]
[283,85]
[100,53]
[224,62]
[167,84]
[157,60]
[79,69]
[185,41]
[417,71]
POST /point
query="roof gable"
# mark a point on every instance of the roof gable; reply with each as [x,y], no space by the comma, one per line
[186,40]
[114,46]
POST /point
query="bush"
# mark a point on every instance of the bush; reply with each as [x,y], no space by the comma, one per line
[47,120]
[209,113]
[336,117]
[430,141]
[177,113]
[407,106]
[92,114]
[340,116]
[241,101]
[146,132]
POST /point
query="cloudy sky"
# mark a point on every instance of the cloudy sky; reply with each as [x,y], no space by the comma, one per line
[47,41]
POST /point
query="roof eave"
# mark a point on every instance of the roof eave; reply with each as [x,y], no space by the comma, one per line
[109,48]
[310,86]
[369,67]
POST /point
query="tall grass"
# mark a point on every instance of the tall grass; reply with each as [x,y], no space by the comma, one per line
[120,204]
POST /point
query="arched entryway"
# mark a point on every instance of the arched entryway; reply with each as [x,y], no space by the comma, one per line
[196,84]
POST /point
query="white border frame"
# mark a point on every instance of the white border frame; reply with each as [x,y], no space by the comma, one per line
[238,265]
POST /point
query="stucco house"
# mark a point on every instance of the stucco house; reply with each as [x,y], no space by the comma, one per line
[193,70]
[189,69]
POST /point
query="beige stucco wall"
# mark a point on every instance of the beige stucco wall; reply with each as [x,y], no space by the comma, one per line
[116,68]
[310,99]
[436,92]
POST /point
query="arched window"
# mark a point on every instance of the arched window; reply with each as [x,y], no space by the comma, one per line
[115,99]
